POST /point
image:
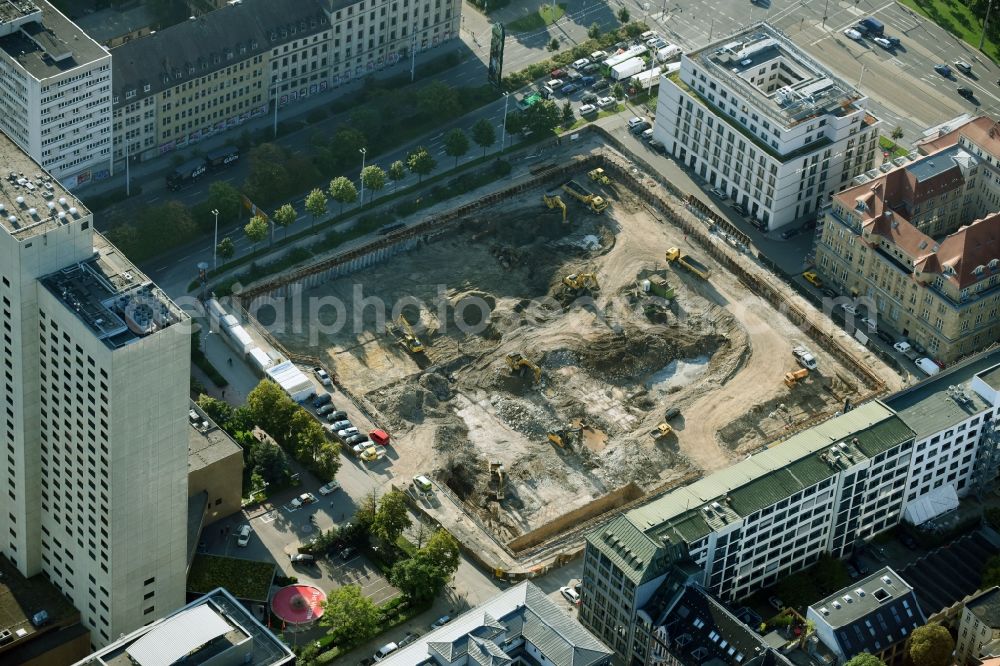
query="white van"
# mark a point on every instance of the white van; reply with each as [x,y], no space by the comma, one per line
[929,367]
[385,651]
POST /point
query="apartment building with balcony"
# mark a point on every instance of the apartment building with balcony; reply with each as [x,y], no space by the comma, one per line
[55,92]
[211,74]
[95,388]
[820,491]
[767,124]
[922,241]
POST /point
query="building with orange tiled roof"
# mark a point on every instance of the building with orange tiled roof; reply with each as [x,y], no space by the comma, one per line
[923,242]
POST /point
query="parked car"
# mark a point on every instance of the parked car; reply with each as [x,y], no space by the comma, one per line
[385,651]
[326,409]
[340,425]
[658,146]
[943,70]
[339,415]
[602,84]
[587,109]
[829,293]
[557,73]
[322,376]
[776,603]
[359,447]
[635,122]
[589,98]
[422,483]
[884,43]
[243,536]
[322,399]
[849,309]
[587,81]
[870,322]
[647,134]
[347,432]
[852,33]
[303,499]
[380,437]
[640,128]
[740,209]
[570,595]
[328,488]
[569,89]
[302,558]
[581,63]
[852,571]
[441,621]
[718,193]
[902,346]
[605,102]
[886,338]
[813,279]
[356,439]
[963,67]
[598,56]
[592,68]
[790,233]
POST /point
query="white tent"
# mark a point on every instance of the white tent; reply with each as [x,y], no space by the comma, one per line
[293,380]
[937,502]
[259,359]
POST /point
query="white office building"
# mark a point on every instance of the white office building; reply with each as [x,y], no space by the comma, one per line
[766,124]
[95,396]
[55,92]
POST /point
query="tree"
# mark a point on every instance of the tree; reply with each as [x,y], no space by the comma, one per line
[256,230]
[931,645]
[373,178]
[897,133]
[865,659]
[343,191]
[567,113]
[226,199]
[424,575]
[623,15]
[270,408]
[306,435]
[396,173]
[364,517]
[219,411]
[442,551]
[438,100]
[594,31]
[391,518]
[420,162]
[226,248]
[284,217]
[456,143]
[618,91]
[269,179]
[542,117]
[350,614]
[484,134]
[515,122]
[346,143]
[268,462]
[553,45]
[316,204]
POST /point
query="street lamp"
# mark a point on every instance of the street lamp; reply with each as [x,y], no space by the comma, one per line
[215,248]
[503,133]
[364,153]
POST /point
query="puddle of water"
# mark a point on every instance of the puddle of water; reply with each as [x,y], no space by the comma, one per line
[678,374]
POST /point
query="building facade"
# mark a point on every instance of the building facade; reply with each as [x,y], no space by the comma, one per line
[95,386]
[978,627]
[769,126]
[55,92]
[821,491]
[922,241]
[211,74]
[215,467]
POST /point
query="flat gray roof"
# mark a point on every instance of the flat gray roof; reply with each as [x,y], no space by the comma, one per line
[112,297]
[208,445]
[940,162]
[861,598]
[53,46]
[106,24]
[932,405]
[35,200]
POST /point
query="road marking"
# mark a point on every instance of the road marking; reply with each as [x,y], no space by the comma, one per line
[152,199]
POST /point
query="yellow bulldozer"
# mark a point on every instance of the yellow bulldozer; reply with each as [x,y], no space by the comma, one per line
[661,431]
[564,438]
[404,333]
[598,175]
[581,281]
[794,377]
[518,363]
[553,200]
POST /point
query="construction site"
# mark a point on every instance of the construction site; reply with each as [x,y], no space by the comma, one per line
[555,354]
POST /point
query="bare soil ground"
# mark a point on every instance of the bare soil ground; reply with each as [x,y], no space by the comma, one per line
[612,360]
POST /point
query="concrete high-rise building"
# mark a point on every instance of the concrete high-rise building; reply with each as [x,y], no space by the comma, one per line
[767,124]
[55,92]
[95,393]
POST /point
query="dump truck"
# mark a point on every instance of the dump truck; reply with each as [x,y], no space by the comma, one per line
[794,377]
[689,262]
[553,200]
[661,431]
[593,201]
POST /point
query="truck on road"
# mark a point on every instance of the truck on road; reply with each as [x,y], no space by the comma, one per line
[628,68]
[689,262]
[222,157]
[595,202]
[193,169]
[873,27]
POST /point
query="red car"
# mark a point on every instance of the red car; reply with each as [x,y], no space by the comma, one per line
[380,437]
[558,73]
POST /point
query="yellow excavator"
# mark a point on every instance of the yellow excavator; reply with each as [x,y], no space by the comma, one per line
[407,337]
[794,377]
[553,200]
[598,175]
[516,362]
[498,479]
[564,438]
[580,281]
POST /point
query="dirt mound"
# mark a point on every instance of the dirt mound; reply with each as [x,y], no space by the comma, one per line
[525,417]
[631,356]
[407,402]
[437,384]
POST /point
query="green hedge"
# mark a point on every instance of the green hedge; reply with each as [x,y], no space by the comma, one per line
[245,579]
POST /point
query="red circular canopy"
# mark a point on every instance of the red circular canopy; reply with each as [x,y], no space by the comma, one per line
[298,604]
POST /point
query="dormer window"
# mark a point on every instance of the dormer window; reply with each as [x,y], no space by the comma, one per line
[978,270]
[147,88]
[129,94]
